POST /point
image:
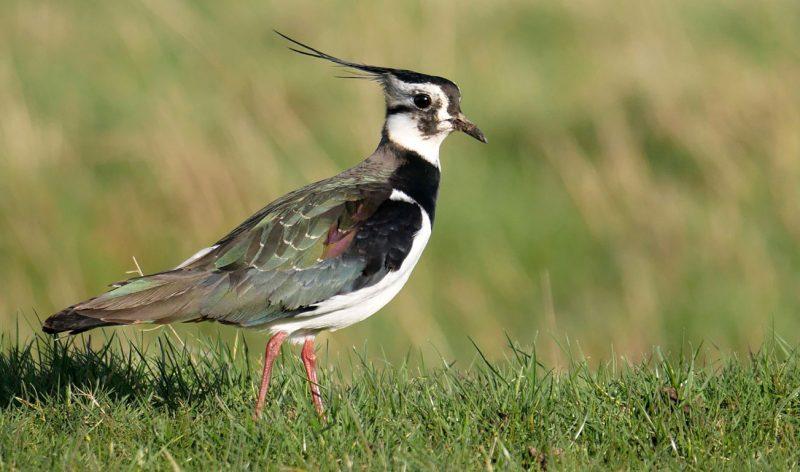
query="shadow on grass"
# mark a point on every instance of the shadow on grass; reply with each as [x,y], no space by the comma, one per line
[49,369]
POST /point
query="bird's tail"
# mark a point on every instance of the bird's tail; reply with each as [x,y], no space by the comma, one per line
[160,298]
[71,320]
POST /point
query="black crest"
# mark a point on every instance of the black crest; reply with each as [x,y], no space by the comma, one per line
[373,72]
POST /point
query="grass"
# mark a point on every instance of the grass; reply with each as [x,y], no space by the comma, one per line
[173,406]
[641,187]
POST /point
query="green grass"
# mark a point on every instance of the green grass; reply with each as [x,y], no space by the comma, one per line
[188,407]
[641,187]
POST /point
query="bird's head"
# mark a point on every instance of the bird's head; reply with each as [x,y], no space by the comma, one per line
[421,109]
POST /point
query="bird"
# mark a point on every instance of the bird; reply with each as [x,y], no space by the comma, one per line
[320,258]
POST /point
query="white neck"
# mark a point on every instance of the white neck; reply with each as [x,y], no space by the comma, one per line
[402,130]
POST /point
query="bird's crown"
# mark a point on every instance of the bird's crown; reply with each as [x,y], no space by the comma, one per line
[421,109]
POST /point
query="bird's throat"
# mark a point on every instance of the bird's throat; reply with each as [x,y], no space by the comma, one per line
[403,131]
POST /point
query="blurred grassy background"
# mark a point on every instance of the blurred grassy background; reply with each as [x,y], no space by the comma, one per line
[641,185]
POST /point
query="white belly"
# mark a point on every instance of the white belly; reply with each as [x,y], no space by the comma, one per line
[344,310]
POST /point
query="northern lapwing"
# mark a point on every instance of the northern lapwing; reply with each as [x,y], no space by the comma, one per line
[319,258]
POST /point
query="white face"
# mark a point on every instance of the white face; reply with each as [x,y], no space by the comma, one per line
[419,117]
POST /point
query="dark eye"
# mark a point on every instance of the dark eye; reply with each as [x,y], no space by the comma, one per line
[422,100]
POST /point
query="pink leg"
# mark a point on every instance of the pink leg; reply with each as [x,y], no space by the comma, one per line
[273,348]
[310,362]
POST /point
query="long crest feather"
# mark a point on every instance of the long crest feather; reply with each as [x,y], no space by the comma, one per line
[373,72]
[377,73]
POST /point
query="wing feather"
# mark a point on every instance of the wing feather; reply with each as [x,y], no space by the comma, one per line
[283,259]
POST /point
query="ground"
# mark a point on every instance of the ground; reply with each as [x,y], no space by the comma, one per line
[170,406]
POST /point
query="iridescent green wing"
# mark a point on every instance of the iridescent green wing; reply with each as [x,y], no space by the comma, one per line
[288,256]
[281,261]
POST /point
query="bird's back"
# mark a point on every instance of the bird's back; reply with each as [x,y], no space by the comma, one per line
[310,245]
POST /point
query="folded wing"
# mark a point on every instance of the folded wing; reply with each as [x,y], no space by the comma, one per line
[281,261]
